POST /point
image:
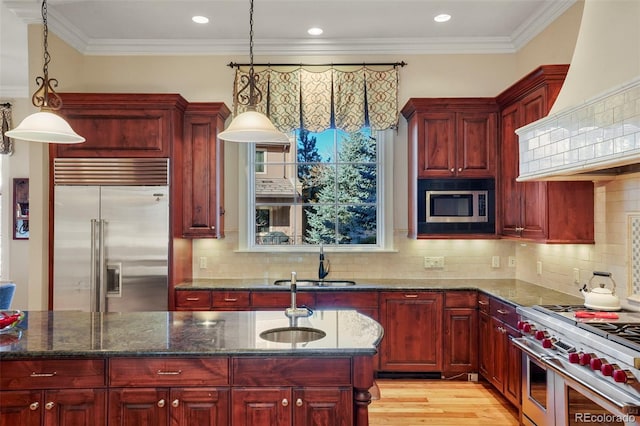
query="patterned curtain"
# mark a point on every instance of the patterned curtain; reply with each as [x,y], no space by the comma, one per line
[319,100]
[6,143]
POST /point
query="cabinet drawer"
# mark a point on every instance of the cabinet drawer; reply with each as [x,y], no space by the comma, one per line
[168,371]
[193,299]
[483,303]
[346,299]
[230,300]
[504,312]
[461,299]
[280,299]
[51,374]
[263,371]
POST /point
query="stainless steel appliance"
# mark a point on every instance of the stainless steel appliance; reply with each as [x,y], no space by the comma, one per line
[456,205]
[580,366]
[111,234]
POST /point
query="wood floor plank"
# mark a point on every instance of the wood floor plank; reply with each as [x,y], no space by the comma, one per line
[439,402]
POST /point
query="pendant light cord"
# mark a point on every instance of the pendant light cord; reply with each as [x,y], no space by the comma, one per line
[45,96]
[254,93]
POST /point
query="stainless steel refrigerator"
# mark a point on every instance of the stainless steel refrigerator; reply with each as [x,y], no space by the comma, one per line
[110,248]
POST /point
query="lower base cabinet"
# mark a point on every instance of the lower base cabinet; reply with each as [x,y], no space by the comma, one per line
[283,406]
[173,407]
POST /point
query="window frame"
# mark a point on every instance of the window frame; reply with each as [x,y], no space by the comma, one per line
[247,232]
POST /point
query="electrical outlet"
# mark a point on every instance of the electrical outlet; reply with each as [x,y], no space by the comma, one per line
[539,267]
[512,261]
[495,261]
[434,262]
[203,262]
[472,377]
[576,276]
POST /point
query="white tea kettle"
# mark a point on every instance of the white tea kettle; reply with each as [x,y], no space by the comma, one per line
[601,298]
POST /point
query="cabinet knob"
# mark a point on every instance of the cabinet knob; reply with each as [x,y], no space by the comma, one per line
[453,170]
[460,169]
[285,402]
[175,403]
[161,403]
[49,405]
[34,406]
[299,402]
[213,228]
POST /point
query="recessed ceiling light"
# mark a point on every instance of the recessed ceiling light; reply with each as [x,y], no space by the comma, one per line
[200,19]
[443,17]
[315,31]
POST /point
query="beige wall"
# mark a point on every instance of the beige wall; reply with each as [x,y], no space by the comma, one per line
[202,78]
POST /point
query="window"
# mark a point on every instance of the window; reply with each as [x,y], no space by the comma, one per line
[325,189]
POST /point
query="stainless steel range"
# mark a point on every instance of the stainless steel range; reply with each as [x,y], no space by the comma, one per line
[579,366]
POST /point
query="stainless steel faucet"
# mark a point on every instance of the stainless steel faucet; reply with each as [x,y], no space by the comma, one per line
[323,268]
[294,312]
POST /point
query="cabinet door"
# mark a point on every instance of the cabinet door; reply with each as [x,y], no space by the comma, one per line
[486,347]
[261,406]
[499,362]
[413,331]
[143,406]
[476,140]
[513,382]
[22,408]
[460,341]
[202,176]
[322,407]
[193,300]
[436,144]
[509,169]
[199,406]
[75,407]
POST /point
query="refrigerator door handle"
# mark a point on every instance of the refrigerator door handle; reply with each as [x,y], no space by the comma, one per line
[93,275]
[102,268]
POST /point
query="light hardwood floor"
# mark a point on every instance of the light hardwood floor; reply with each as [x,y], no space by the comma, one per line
[439,402]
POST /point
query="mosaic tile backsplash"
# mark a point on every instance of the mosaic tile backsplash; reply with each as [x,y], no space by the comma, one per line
[603,132]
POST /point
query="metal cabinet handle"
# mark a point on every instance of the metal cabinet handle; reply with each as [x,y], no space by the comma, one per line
[192,299]
[502,312]
[168,373]
[482,302]
[34,374]
[299,402]
[34,406]
[175,403]
[161,403]
[49,405]
[460,169]
[230,299]
[453,170]
[285,402]
[411,296]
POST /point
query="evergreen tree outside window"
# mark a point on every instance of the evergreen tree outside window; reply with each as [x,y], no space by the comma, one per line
[324,190]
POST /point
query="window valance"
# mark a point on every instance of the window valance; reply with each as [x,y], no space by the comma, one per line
[318,100]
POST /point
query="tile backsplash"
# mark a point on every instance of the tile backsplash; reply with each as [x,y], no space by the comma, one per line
[603,132]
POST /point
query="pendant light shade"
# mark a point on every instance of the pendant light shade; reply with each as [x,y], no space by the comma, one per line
[45,127]
[251,125]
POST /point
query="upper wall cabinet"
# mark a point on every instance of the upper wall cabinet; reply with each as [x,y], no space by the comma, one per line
[201,159]
[552,212]
[121,125]
[453,137]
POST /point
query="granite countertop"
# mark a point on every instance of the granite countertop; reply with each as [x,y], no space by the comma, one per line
[201,333]
[512,291]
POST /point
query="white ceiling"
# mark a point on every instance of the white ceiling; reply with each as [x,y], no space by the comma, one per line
[350,26]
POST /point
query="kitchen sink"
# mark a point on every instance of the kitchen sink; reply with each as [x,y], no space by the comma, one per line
[316,283]
[292,334]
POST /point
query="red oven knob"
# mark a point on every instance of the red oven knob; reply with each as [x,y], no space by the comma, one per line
[596,363]
[574,358]
[547,343]
[608,369]
[585,359]
[528,328]
[521,324]
[540,334]
[623,376]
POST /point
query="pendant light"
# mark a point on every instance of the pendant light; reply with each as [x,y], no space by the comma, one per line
[45,126]
[251,125]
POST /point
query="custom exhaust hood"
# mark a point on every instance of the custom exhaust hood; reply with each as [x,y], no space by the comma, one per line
[593,130]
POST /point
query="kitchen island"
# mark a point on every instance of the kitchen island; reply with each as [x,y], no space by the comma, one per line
[186,368]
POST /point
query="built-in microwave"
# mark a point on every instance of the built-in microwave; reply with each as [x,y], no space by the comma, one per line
[456,206]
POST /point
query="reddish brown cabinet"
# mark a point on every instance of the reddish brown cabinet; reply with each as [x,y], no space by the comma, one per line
[460,333]
[52,392]
[453,137]
[201,163]
[555,212]
[500,360]
[412,321]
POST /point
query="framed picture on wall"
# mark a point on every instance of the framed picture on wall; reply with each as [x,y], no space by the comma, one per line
[21,209]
